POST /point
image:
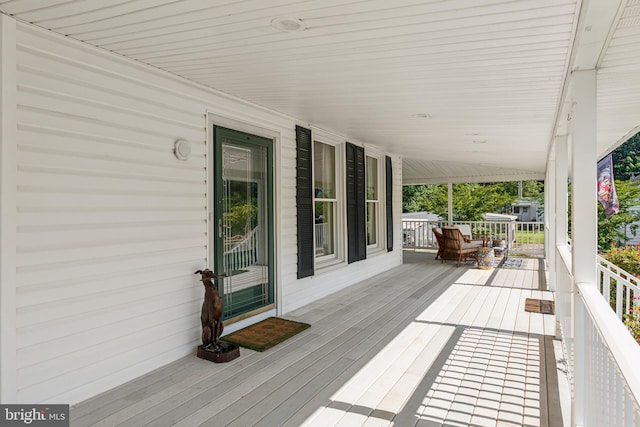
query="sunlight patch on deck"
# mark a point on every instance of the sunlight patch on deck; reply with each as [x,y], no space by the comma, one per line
[473,356]
[384,385]
[489,377]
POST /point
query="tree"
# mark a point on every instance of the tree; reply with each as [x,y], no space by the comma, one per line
[470,200]
[428,198]
[611,230]
[626,159]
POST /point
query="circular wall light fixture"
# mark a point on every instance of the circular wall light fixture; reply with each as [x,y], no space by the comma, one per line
[181,149]
[288,25]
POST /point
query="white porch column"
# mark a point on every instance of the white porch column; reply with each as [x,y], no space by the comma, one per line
[550,222]
[584,215]
[450,203]
[561,191]
[584,218]
[8,178]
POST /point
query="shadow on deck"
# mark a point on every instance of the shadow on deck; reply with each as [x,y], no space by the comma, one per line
[424,344]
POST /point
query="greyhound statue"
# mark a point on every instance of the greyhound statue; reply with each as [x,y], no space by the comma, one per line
[211,316]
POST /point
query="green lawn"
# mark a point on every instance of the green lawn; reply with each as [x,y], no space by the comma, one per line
[530,236]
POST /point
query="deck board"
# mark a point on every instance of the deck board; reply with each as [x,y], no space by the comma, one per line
[423,344]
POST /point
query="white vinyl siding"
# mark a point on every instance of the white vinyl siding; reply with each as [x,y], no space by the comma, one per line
[111,226]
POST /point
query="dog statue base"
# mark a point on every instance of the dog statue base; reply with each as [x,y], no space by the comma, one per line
[225,352]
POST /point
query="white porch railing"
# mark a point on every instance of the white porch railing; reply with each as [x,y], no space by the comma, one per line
[525,237]
[241,253]
[618,287]
[600,350]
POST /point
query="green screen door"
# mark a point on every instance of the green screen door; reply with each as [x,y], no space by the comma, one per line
[243,212]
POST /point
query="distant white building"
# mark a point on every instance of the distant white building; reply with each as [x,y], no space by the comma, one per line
[526,210]
[419,233]
[499,217]
[423,216]
[632,231]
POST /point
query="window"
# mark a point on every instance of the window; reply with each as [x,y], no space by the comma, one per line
[319,201]
[325,199]
[334,178]
[372,194]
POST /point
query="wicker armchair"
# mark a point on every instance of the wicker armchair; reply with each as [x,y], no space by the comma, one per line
[456,247]
[440,239]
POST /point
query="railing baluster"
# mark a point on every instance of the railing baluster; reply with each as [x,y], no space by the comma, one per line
[619,289]
[525,237]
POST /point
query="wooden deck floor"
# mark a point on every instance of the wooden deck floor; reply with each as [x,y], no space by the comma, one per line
[425,344]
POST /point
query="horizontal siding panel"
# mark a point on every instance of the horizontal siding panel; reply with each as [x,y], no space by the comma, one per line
[335,280]
[41,239]
[101,200]
[111,91]
[85,218]
[64,141]
[71,161]
[92,285]
[107,113]
[184,95]
[35,257]
[43,273]
[164,337]
[56,122]
[111,85]
[87,199]
[62,179]
[100,323]
[173,348]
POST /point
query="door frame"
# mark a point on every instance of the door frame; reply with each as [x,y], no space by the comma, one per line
[211,120]
[251,142]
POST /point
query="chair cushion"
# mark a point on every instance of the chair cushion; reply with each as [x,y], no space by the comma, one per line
[474,244]
[465,229]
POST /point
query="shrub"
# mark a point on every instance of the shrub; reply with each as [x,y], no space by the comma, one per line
[627,258]
[632,319]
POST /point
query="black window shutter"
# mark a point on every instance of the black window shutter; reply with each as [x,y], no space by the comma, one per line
[356,204]
[304,202]
[361,202]
[389,202]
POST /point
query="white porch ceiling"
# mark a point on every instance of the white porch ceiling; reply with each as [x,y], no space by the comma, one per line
[619,81]
[488,74]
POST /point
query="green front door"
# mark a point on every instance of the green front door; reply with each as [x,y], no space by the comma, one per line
[243,211]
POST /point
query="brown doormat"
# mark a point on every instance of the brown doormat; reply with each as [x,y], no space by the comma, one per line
[264,335]
[542,306]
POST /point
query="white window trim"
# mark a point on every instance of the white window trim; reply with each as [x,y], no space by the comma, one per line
[340,226]
[381,243]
